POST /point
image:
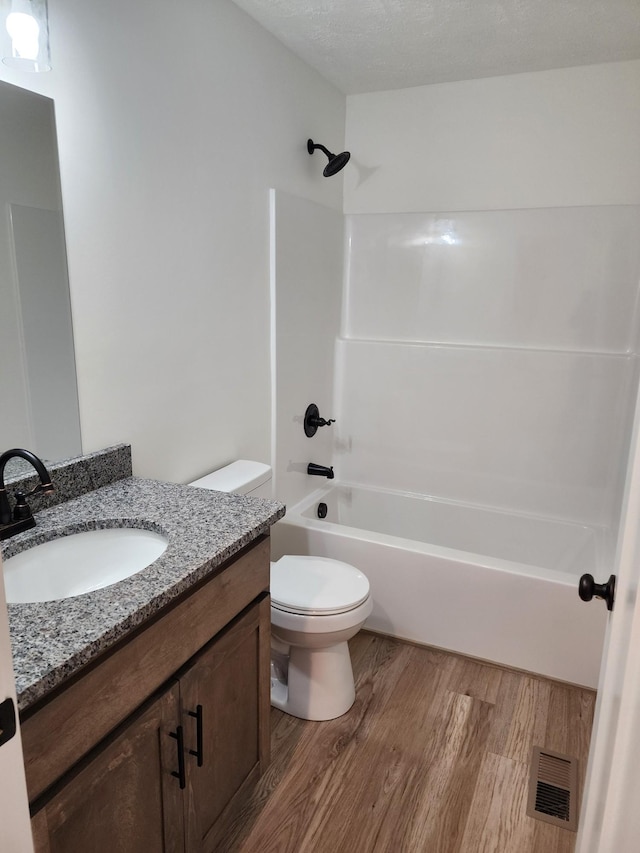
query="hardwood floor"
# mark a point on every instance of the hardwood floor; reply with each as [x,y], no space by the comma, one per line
[433,756]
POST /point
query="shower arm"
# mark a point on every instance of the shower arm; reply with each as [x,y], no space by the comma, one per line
[329,154]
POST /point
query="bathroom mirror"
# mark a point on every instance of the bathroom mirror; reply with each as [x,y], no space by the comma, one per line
[38,390]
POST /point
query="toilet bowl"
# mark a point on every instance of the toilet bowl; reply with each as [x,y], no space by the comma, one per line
[317,606]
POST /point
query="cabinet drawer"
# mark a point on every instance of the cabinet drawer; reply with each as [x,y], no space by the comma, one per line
[83,712]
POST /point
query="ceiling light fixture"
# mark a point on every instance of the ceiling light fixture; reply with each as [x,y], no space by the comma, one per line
[24,34]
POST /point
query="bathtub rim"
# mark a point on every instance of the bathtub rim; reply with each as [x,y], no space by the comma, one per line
[294,516]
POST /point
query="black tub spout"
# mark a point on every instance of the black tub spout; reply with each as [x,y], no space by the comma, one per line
[320,470]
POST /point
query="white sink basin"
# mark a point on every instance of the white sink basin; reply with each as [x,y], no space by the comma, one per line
[79,563]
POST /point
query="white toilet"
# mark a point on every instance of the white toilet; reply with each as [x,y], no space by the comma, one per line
[317,605]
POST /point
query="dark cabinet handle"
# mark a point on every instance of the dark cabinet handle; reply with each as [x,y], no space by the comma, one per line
[587,588]
[198,751]
[180,774]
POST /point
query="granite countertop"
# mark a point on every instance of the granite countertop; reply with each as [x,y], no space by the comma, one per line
[53,640]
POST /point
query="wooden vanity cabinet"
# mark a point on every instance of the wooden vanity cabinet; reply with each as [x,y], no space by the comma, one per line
[123,798]
[133,793]
[218,696]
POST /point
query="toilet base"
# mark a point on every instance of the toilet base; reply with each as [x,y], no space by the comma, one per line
[319,683]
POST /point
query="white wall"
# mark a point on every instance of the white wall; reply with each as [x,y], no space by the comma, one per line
[173,122]
[307,243]
[492,290]
[543,139]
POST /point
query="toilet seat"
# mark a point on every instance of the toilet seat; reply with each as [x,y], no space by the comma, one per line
[316,586]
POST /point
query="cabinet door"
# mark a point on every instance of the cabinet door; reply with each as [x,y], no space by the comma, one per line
[228,686]
[124,797]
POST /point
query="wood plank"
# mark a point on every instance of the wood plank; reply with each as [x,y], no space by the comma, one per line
[552,839]
[403,753]
[497,821]
[432,757]
[58,734]
[504,709]
[529,720]
[304,754]
[569,724]
[447,791]
[472,678]
[443,785]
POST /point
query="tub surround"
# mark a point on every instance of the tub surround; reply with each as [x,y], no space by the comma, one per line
[53,640]
[490,357]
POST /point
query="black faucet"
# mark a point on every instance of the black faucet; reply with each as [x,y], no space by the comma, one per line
[320,470]
[21,518]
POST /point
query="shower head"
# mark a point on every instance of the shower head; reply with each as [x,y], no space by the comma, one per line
[336,161]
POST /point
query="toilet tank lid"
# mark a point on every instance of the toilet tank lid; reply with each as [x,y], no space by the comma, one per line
[242,476]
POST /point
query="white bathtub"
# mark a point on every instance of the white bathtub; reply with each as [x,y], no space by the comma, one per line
[494,585]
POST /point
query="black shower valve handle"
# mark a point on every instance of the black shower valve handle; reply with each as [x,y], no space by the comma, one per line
[312,420]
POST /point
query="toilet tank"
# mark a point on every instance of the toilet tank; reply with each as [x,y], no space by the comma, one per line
[243,476]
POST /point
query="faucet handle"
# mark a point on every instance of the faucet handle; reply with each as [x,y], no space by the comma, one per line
[312,420]
[21,510]
[39,489]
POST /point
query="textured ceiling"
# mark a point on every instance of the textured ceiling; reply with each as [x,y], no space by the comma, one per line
[373,45]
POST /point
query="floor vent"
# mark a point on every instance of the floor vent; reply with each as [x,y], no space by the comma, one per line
[553,788]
